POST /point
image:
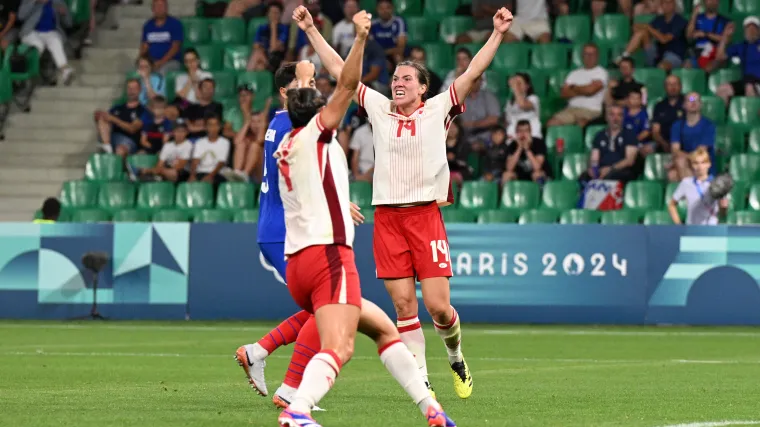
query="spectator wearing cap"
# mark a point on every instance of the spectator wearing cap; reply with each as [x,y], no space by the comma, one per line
[418,55]
[705,31]
[523,104]
[44,23]
[151,82]
[688,134]
[584,89]
[120,127]
[667,112]
[389,31]
[298,42]
[210,155]
[526,156]
[362,153]
[664,39]
[614,150]
[156,127]
[747,54]
[481,115]
[196,114]
[173,158]
[8,21]
[618,90]
[343,33]
[162,39]
[187,85]
[51,210]
[270,41]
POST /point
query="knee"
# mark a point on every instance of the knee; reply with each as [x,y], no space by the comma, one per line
[406,306]
[345,351]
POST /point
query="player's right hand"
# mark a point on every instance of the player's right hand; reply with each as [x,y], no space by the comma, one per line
[303,18]
[362,22]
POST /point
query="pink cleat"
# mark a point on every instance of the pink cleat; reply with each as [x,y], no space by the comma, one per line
[290,418]
[437,418]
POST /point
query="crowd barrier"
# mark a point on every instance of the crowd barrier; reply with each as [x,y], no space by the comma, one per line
[503,273]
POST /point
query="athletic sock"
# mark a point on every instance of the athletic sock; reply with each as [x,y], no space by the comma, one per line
[318,378]
[307,345]
[399,361]
[451,335]
[412,336]
[285,333]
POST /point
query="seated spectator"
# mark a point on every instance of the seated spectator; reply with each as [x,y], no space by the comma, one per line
[523,104]
[8,21]
[120,128]
[462,61]
[705,31]
[458,153]
[558,8]
[298,43]
[389,31]
[210,155]
[44,24]
[664,39]
[418,55]
[600,7]
[636,120]
[249,147]
[325,85]
[688,134]
[270,41]
[196,114]
[495,155]
[162,39]
[363,153]
[151,83]
[614,151]
[700,208]
[174,157]
[343,33]
[747,54]
[584,89]
[375,68]
[156,127]
[236,118]
[481,114]
[653,7]
[526,159]
[187,85]
[483,12]
[532,20]
[618,90]
[666,112]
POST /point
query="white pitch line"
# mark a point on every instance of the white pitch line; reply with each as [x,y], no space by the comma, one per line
[717,424]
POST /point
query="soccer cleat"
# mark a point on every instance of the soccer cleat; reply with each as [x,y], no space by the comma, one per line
[289,418]
[254,369]
[462,379]
[281,401]
[437,418]
[430,389]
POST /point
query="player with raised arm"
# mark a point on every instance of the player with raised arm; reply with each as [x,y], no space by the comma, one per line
[411,179]
[321,272]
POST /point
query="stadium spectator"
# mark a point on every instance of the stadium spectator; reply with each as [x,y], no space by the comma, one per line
[688,134]
[666,112]
[43,27]
[8,21]
[196,114]
[495,155]
[151,82]
[614,150]
[559,8]
[532,20]
[270,41]
[636,120]
[245,9]
[187,85]
[584,89]
[462,61]
[705,31]
[526,156]
[363,153]
[173,159]
[51,210]
[653,7]
[483,12]
[375,68]
[325,85]
[700,208]
[618,90]
[523,104]
[236,117]
[162,39]
[298,43]
[663,39]
[389,31]
[418,54]
[458,153]
[343,33]
[210,155]
[249,141]
[119,128]
[747,54]
[156,127]
[482,114]
[600,7]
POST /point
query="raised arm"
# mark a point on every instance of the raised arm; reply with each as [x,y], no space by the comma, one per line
[502,20]
[330,58]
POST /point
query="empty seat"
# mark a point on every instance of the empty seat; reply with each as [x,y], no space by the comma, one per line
[621,217]
[143,161]
[539,216]
[253,27]
[210,56]
[739,195]
[580,216]
[228,31]
[655,167]
[116,196]
[573,165]
[90,216]
[561,195]
[652,79]
[571,135]
[79,194]
[104,167]
[743,112]
[511,57]
[744,218]
[479,195]
[574,28]
[457,215]
[440,56]
[722,75]
[421,29]
[235,57]
[497,216]
[714,109]
[440,9]
[171,215]
[692,80]
[657,218]
[550,56]
[131,215]
[246,215]
[520,195]
[554,84]
[408,7]
[451,26]
[236,195]
[613,28]
[213,215]
[644,195]
[226,84]
[194,195]
[754,196]
[360,193]
[744,167]
[260,81]
[196,30]
[750,7]
[155,195]
[754,140]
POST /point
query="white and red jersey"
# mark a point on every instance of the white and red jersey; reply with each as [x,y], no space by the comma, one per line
[410,151]
[314,188]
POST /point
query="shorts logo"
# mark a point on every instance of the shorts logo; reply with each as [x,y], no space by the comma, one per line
[443,265]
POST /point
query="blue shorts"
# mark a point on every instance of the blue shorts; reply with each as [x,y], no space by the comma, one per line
[274,254]
[118,139]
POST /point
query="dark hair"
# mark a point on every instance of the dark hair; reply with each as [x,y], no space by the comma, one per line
[207,80]
[191,50]
[384,1]
[629,60]
[303,105]
[636,91]
[146,58]
[51,208]
[275,4]
[133,80]
[465,51]
[212,116]
[284,75]
[528,81]
[158,99]
[522,122]
[596,48]
[497,128]
[423,75]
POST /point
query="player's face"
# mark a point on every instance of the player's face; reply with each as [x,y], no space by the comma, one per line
[406,86]
[701,165]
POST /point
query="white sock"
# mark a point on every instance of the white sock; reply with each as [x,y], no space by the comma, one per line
[318,378]
[451,335]
[257,351]
[399,361]
[412,336]
[286,392]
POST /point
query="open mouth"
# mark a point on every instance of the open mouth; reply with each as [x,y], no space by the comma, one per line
[399,93]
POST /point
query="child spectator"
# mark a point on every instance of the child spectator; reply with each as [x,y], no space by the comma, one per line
[210,155]
[636,120]
[156,127]
[174,157]
[495,155]
[526,159]
[151,83]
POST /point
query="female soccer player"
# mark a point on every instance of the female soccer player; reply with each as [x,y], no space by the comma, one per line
[411,179]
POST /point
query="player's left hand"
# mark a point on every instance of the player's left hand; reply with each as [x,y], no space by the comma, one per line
[356,215]
[502,20]
[362,23]
[303,18]
[304,73]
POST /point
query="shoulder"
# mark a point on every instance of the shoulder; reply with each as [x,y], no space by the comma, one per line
[149,25]
[224,141]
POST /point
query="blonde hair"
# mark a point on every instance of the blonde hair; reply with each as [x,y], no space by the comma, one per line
[699,153]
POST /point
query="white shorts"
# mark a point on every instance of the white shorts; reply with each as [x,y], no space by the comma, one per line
[533,29]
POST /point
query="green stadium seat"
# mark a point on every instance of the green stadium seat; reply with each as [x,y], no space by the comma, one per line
[457,215]
[520,195]
[743,112]
[143,161]
[714,109]
[440,56]
[751,7]
[210,56]
[452,26]
[479,195]
[498,216]
[744,218]
[573,165]
[212,215]
[171,215]
[6,88]
[253,27]
[79,194]
[236,57]
[591,131]
[575,28]
[692,79]
[754,196]
[226,85]
[104,167]
[537,79]
[79,11]
[408,7]
[115,196]
[155,195]
[643,19]
[511,57]
[739,196]
[655,167]
[722,75]
[550,56]
[194,195]
[539,216]
[440,9]
[262,84]
[496,82]
[657,218]
[571,134]
[555,82]
[744,167]
[421,30]
[32,56]
[90,216]
[361,193]
[621,217]
[169,83]
[236,195]
[644,195]
[228,31]
[728,140]
[669,190]
[246,215]
[560,195]
[613,28]
[653,79]
[754,140]
[131,215]
[580,216]
[196,30]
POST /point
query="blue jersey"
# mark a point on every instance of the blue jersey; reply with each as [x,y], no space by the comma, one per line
[271,212]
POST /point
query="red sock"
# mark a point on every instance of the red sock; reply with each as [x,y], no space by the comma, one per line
[307,345]
[285,333]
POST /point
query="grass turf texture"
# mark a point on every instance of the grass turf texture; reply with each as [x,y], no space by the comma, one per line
[183,374]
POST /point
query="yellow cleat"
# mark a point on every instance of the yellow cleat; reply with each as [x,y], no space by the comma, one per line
[430,389]
[462,379]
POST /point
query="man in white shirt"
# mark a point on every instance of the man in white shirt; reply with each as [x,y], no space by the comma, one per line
[584,89]
[172,161]
[210,154]
[363,157]
[532,20]
[343,31]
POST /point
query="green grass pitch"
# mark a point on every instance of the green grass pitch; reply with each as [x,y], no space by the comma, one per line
[183,374]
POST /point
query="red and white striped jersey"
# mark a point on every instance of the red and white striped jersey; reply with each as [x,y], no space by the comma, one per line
[314,188]
[410,151]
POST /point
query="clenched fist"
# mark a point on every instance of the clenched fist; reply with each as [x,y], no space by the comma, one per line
[362,22]
[502,20]
[303,18]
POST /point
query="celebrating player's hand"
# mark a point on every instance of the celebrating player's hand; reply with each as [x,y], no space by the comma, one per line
[356,215]
[362,22]
[303,18]
[502,20]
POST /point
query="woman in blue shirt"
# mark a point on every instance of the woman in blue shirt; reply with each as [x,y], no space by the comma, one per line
[270,41]
[44,21]
[151,83]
